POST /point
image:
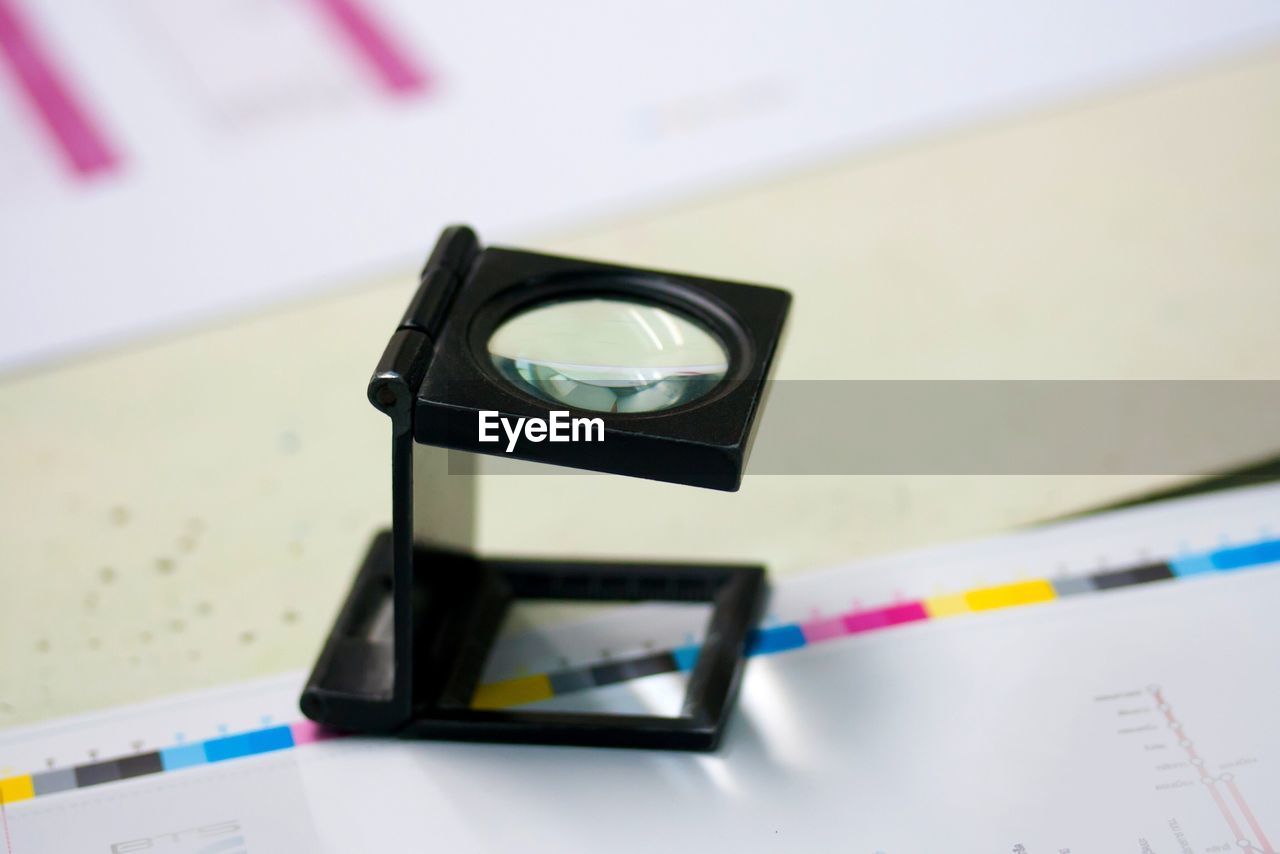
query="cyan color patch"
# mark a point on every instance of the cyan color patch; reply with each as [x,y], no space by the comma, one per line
[182,757]
[777,639]
[1191,565]
[686,656]
[1257,554]
[249,743]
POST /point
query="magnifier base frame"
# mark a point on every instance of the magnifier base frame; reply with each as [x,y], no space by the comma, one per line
[454,630]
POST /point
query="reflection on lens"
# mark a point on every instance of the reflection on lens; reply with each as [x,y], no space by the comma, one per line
[608,355]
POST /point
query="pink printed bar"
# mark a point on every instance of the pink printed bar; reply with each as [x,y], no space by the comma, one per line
[817,631]
[394,69]
[880,618]
[308,732]
[82,142]
[864,621]
[907,612]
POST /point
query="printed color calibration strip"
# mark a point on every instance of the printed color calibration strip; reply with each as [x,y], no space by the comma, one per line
[160,761]
[531,689]
[543,686]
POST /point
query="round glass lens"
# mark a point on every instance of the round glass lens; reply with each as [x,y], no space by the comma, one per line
[608,355]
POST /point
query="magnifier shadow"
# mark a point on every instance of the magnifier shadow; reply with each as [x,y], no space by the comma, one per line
[556,798]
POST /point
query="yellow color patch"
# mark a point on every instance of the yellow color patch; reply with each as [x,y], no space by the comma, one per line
[14,789]
[512,692]
[946,606]
[1009,595]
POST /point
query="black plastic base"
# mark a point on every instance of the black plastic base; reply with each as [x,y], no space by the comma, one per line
[364,681]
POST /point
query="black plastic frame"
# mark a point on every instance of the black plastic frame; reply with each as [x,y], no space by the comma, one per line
[407,650]
[453,636]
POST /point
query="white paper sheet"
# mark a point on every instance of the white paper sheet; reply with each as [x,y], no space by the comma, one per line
[1133,719]
[208,156]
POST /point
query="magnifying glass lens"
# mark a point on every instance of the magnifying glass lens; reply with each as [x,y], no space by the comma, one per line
[608,355]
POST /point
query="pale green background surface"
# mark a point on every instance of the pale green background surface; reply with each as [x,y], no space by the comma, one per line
[190,511]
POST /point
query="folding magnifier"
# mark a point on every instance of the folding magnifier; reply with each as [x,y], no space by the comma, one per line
[666,375]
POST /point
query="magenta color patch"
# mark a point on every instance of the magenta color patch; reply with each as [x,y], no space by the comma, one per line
[821,630]
[307,732]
